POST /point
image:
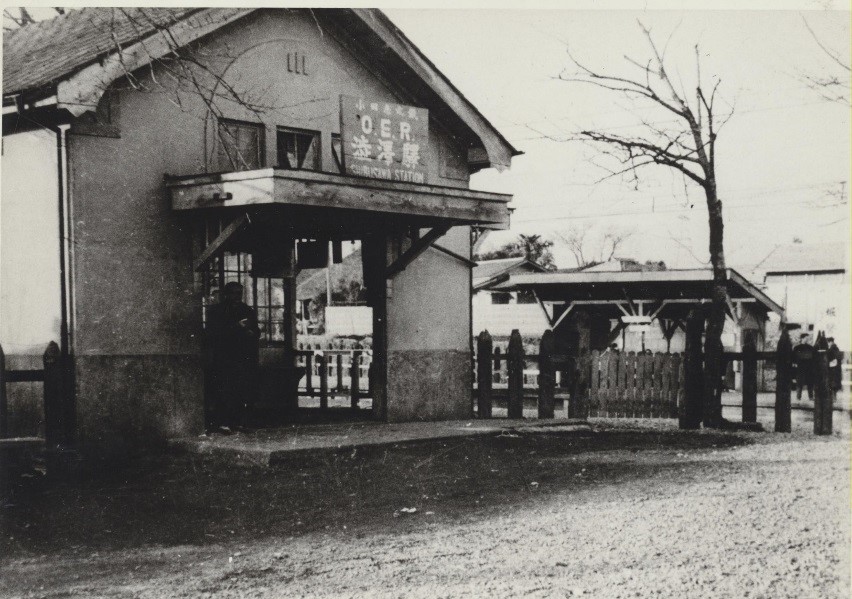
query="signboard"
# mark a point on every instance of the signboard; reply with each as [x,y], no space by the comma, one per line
[384,140]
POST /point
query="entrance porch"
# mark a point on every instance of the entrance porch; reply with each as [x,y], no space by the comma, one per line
[261,227]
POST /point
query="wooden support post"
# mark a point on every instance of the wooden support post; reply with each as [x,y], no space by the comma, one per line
[822,389]
[546,375]
[309,374]
[749,383]
[4,405]
[516,375]
[689,415]
[783,383]
[338,366]
[355,378]
[484,374]
[322,363]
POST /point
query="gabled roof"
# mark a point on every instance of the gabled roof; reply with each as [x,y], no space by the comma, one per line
[801,258]
[490,272]
[74,57]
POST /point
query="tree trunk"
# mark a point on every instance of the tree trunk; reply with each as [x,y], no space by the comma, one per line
[716,319]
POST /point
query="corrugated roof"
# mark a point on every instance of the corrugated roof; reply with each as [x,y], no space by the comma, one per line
[799,257]
[39,55]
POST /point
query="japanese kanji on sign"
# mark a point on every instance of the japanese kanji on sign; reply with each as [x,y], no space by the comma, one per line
[384,140]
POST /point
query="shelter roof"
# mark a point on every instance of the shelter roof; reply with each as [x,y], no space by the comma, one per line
[672,285]
[72,58]
[801,258]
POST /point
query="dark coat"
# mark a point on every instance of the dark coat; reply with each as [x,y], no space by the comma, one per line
[835,371]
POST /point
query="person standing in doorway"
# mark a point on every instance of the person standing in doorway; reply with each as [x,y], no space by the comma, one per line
[232,336]
[803,356]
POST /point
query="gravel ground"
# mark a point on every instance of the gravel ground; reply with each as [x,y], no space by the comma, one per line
[636,510]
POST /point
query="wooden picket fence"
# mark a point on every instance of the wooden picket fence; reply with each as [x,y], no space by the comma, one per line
[631,385]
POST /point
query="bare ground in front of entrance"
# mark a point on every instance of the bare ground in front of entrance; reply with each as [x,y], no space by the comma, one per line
[632,510]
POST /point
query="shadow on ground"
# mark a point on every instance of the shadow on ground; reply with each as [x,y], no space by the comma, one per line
[175,500]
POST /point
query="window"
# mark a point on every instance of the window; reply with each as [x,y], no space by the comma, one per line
[499,297]
[298,149]
[526,296]
[239,146]
[267,295]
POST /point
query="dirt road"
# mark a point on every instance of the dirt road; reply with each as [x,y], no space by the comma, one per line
[623,512]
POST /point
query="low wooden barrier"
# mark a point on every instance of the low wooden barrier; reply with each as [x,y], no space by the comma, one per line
[339,372]
[597,384]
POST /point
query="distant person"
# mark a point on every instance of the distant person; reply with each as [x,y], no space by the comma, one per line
[232,337]
[835,367]
[803,356]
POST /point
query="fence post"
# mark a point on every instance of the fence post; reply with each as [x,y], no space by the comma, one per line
[53,412]
[546,375]
[693,373]
[309,374]
[322,363]
[484,374]
[822,391]
[783,382]
[4,405]
[749,384]
[515,362]
[355,378]
[339,369]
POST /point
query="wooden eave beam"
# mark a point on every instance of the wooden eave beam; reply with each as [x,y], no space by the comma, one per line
[417,248]
[332,191]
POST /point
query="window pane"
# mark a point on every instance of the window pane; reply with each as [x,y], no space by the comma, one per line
[298,149]
[239,146]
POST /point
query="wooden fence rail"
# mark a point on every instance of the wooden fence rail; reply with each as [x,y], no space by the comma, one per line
[339,372]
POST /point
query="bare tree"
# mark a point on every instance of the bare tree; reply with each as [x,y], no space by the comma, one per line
[686,144]
[589,248]
[833,86]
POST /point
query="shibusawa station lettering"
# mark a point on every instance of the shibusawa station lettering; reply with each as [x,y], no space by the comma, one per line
[384,140]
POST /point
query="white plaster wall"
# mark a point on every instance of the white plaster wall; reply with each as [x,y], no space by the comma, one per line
[29,243]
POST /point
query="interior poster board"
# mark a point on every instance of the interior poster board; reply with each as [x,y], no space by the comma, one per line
[384,140]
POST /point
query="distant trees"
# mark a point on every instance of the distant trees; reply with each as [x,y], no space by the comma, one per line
[590,247]
[532,247]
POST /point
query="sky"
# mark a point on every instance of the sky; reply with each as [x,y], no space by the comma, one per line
[783,159]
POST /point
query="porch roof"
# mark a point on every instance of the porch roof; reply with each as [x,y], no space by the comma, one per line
[360,196]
